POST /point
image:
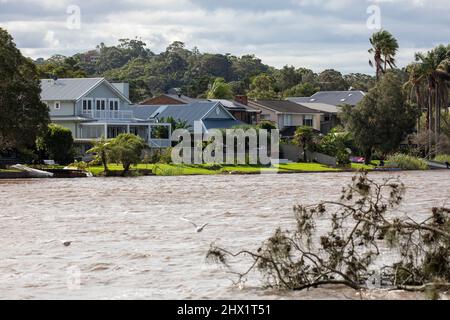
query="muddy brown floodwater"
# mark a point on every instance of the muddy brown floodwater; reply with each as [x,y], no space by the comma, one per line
[128,241]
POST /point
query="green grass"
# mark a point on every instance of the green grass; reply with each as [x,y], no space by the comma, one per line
[205,169]
[9,170]
[175,170]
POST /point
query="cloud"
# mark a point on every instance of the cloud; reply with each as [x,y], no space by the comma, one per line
[318,34]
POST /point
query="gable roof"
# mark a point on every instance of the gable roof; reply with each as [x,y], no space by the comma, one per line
[282,106]
[69,89]
[334,98]
[175,98]
[190,113]
[230,104]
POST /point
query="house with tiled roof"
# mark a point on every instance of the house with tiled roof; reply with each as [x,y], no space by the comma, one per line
[329,103]
[287,115]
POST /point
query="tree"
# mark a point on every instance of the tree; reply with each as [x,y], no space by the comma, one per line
[22,114]
[344,251]
[384,48]
[220,90]
[57,143]
[332,80]
[383,119]
[126,149]
[102,148]
[301,90]
[306,138]
[287,78]
[262,88]
[432,70]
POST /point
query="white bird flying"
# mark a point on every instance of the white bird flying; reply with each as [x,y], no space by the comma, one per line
[197,228]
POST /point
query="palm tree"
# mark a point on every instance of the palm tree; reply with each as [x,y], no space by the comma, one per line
[101,149]
[384,48]
[434,69]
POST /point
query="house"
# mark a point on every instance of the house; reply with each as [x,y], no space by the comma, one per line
[172,97]
[329,103]
[240,110]
[287,115]
[93,108]
[211,114]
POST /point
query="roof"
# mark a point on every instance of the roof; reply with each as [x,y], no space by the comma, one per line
[178,99]
[322,107]
[334,98]
[182,98]
[221,123]
[189,113]
[282,106]
[230,104]
[69,89]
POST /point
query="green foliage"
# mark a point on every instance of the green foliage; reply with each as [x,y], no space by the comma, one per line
[61,67]
[337,145]
[262,88]
[383,119]
[101,150]
[384,48]
[80,165]
[22,114]
[307,139]
[220,90]
[301,90]
[126,149]
[406,162]
[442,158]
[57,143]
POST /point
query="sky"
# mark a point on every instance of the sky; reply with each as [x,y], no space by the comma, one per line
[317,34]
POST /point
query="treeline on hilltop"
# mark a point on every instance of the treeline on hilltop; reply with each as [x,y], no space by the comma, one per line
[195,73]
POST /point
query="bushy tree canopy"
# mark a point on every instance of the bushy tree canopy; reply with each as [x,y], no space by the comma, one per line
[383,119]
[22,114]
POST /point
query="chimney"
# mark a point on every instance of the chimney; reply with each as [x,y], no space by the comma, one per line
[124,88]
[242,99]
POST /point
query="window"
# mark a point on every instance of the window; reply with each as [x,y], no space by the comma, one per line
[100,104]
[308,121]
[57,105]
[87,105]
[287,120]
[113,104]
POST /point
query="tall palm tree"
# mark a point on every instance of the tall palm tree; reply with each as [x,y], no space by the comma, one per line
[384,48]
[434,66]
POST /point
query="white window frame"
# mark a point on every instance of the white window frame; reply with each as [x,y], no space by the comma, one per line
[114,101]
[57,105]
[101,100]
[87,100]
[308,118]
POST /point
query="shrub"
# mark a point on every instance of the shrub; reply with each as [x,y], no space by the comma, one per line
[126,149]
[406,162]
[57,143]
[80,165]
[442,158]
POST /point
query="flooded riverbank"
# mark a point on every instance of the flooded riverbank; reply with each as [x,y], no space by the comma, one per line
[128,241]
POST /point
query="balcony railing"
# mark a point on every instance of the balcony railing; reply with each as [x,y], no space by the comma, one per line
[109,115]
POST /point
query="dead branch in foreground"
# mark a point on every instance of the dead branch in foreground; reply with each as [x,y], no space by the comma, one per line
[361,225]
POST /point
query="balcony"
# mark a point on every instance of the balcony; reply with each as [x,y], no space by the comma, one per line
[108,115]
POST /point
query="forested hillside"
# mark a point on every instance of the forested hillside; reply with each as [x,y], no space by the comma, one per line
[196,73]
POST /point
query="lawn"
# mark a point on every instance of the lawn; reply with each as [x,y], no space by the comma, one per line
[203,169]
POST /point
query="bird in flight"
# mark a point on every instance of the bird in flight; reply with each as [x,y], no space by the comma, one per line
[197,228]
